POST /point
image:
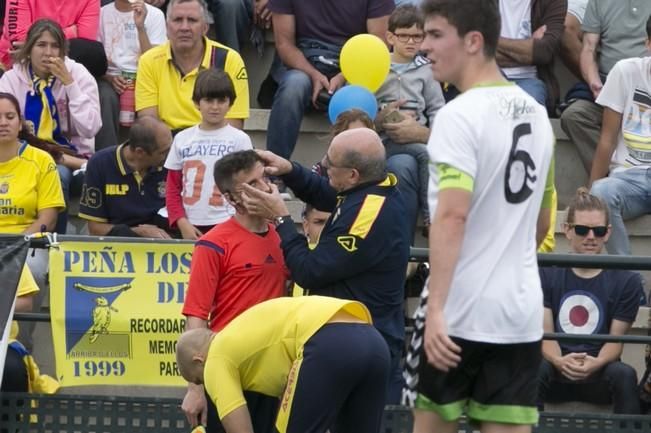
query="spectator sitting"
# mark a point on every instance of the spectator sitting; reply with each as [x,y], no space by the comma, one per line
[58,99]
[234,19]
[126,30]
[30,189]
[308,38]
[530,38]
[607,300]
[235,266]
[612,30]
[194,202]
[625,99]
[410,88]
[124,187]
[78,18]
[167,73]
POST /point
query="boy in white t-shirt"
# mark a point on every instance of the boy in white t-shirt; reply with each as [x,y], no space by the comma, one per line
[127,28]
[490,150]
[622,163]
[193,201]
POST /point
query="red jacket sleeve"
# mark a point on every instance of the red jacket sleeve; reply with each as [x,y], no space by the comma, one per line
[173,200]
[204,279]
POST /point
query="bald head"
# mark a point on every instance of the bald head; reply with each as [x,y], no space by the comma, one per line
[361,149]
[191,351]
[149,133]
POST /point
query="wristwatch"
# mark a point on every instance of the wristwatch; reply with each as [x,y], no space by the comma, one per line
[281,219]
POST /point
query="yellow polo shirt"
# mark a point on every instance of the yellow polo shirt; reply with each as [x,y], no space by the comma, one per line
[160,84]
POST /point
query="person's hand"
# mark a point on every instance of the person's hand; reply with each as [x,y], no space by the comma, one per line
[441,351]
[58,68]
[262,14]
[336,83]
[583,367]
[157,3]
[150,231]
[118,82]
[595,87]
[267,205]
[188,231]
[405,131]
[540,32]
[319,82]
[15,47]
[570,365]
[388,108]
[274,165]
[195,405]
[139,13]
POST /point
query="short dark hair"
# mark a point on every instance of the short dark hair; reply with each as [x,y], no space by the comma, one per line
[142,134]
[482,16]
[231,164]
[404,17]
[648,27]
[213,83]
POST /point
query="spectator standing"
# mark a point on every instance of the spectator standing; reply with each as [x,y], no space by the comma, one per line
[309,37]
[483,322]
[410,88]
[530,39]
[126,30]
[193,201]
[235,266]
[124,186]
[58,99]
[78,19]
[608,301]
[364,247]
[622,163]
[613,30]
[167,73]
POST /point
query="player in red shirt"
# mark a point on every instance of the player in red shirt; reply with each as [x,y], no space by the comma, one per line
[236,265]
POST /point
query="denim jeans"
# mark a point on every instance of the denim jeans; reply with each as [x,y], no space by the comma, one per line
[71,186]
[419,152]
[628,195]
[405,167]
[232,21]
[294,95]
[534,87]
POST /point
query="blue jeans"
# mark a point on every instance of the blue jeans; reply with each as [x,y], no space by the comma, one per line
[232,21]
[419,152]
[71,186]
[628,195]
[534,87]
[405,167]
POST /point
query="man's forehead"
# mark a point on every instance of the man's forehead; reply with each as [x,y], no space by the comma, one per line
[191,8]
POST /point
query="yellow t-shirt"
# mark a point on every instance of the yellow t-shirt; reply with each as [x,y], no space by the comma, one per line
[257,349]
[28,183]
[159,84]
[550,241]
[26,286]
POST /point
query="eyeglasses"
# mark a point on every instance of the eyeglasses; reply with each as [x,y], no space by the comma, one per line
[328,164]
[581,230]
[404,37]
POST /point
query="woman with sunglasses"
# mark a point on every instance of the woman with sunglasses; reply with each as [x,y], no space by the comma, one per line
[588,301]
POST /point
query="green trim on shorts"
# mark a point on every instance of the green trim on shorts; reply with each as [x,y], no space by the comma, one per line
[449,412]
[502,413]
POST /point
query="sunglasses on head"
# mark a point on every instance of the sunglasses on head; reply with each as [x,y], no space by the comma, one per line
[581,230]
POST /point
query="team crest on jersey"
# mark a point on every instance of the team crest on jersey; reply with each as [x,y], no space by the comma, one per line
[347,243]
[4,188]
[161,189]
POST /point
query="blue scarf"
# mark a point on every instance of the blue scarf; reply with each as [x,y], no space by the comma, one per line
[41,113]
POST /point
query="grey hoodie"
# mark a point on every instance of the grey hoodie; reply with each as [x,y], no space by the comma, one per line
[417,86]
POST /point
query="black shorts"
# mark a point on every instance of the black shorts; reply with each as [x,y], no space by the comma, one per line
[493,383]
[339,384]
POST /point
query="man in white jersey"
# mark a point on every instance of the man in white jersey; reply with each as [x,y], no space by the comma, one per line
[491,150]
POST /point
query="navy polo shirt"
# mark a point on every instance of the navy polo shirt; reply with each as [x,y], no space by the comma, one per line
[114,193]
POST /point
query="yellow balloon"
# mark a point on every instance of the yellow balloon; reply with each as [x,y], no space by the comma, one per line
[365,61]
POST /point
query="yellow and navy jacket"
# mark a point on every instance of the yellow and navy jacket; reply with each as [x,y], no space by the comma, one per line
[362,252]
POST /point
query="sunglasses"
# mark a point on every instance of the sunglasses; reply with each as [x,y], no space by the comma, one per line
[581,230]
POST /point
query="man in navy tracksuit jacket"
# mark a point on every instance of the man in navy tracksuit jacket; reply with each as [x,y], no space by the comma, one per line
[363,249]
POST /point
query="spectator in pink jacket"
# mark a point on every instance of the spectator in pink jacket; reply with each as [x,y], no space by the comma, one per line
[78,18]
[58,98]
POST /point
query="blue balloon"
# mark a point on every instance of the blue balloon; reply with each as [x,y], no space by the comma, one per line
[349,97]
